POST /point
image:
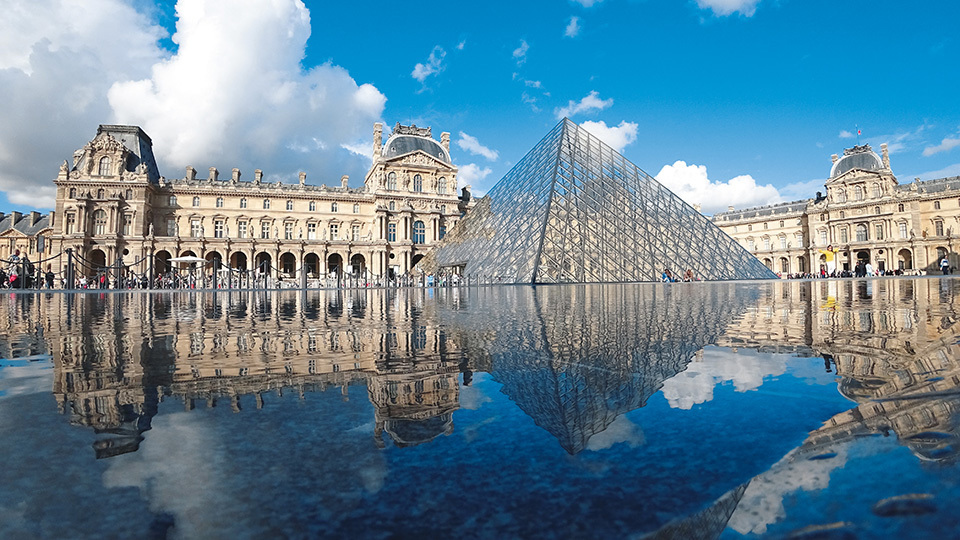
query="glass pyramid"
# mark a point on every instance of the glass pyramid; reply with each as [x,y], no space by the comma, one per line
[574,210]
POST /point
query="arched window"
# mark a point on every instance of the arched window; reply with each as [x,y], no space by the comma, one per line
[938,228]
[392,181]
[783,241]
[356,208]
[841,195]
[862,235]
[313,206]
[936,205]
[442,186]
[417,183]
[876,210]
[99,222]
[128,194]
[419,232]
[289,205]
[333,206]
[393,206]
[876,191]
[99,193]
[243,202]
[266,204]
[196,201]
[899,208]
[104,168]
[219,202]
[858,193]
[73,193]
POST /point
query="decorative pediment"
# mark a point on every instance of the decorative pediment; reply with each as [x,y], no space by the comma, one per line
[418,157]
[104,145]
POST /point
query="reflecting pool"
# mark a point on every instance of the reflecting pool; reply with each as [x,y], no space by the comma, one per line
[824,409]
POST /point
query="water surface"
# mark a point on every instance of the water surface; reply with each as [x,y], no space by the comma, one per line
[723,410]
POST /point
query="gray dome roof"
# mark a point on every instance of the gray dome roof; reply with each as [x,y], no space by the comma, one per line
[858,157]
[398,145]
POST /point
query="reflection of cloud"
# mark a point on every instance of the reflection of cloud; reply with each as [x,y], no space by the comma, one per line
[621,430]
[177,472]
[762,503]
[695,384]
[22,376]
[472,398]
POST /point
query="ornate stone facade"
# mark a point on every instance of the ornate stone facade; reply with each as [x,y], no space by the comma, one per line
[866,215]
[113,203]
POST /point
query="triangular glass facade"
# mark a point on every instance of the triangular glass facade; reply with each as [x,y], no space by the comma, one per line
[574,210]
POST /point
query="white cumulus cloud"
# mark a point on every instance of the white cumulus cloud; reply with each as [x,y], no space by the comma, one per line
[590,102]
[587,3]
[433,65]
[844,134]
[691,183]
[248,103]
[947,144]
[473,175]
[56,64]
[573,27]
[520,53]
[617,137]
[723,8]
[472,145]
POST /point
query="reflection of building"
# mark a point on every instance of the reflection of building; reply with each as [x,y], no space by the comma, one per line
[112,202]
[866,215]
[241,347]
[892,342]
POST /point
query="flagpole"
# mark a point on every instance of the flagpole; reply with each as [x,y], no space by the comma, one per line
[858,133]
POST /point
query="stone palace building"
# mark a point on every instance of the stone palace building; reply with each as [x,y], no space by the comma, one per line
[113,204]
[866,215]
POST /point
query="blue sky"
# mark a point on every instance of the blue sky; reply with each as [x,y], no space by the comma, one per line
[727,102]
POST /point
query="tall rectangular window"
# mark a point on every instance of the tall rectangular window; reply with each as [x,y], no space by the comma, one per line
[903,229]
[195,228]
[938,227]
[392,232]
[823,238]
[171,227]
[241,229]
[71,223]
[288,231]
[311,231]
[844,238]
[264,229]
[879,230]
[355,233]
[334,231]
[218,229]
[127,224]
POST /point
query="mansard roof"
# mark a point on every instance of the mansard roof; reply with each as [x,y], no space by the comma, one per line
[29,224]
[859,157]
[794,207]
[407,139]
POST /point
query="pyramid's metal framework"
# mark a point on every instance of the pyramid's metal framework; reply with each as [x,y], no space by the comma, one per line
[574,210]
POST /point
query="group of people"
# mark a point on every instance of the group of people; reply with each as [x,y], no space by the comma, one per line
[21,273]
[668,277]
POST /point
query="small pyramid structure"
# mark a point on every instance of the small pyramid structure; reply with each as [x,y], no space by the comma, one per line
[574,210]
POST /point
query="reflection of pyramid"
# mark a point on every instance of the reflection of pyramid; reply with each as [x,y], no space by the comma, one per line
[575,210]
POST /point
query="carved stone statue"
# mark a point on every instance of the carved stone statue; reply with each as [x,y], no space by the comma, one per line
[64,167]
[150,229]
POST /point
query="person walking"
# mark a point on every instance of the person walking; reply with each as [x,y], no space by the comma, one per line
[945,265]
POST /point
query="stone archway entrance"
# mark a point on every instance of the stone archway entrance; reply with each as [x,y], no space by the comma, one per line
[904,260]
[161,262]
[358,265]
[238,261]
[312,263]
[335,265]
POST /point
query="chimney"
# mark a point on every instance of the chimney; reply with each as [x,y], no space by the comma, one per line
[257,176]
[886,156]
[377,139]
[191,173]
[445,140]
[214,174]
[303,178]
[343,181]
[729,209]
[235,175]
[14,218]
[34,218]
